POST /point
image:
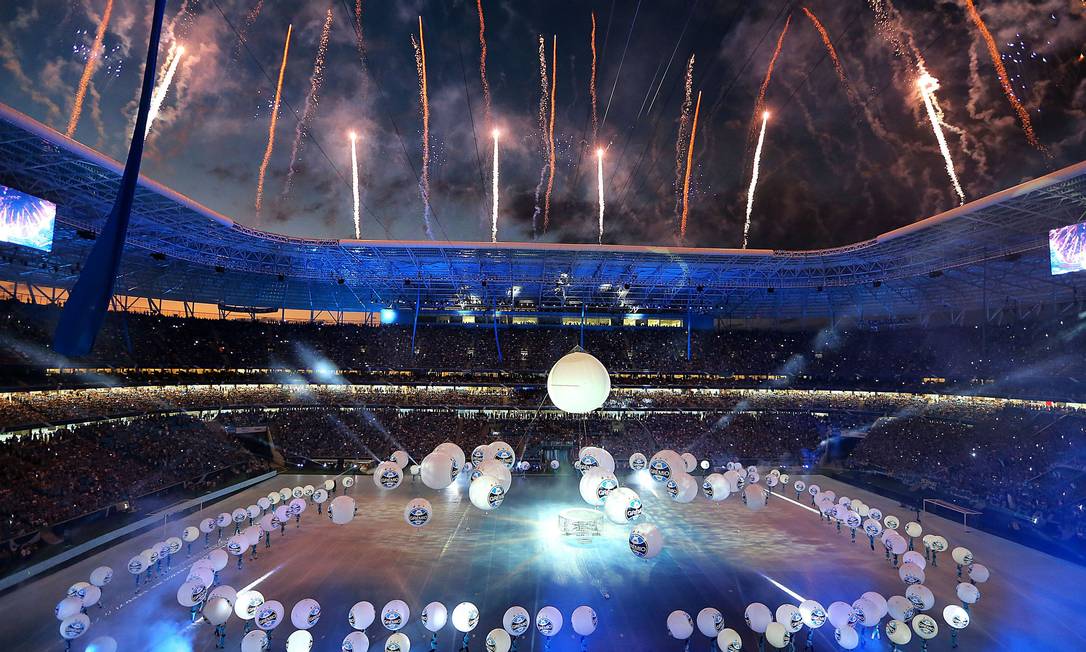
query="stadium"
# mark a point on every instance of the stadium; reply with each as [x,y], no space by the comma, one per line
[215,434]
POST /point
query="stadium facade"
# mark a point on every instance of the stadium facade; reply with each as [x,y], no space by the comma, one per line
[986,260]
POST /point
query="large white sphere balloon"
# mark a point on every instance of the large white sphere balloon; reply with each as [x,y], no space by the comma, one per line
[925,626]
[255,641]
[638,462]
[465,616]
[664,464]
[395,615]
[734,479]
[217,610]
[839,614]
[755,497]
[865,613]
[496,470]
[967,593]
[646,541]
[584,620]
[777,635]
[622,506]
[710,622]
[91,596]
[74,626]
[879,603]
[102,644]
[269,615]
[690,462]
[190,534]
[388,475]
[846,637]
[224,591]
[188,594]
[516,620]
[955,616]
[548,621]
[898,632]
[305,614]
[486,493]
[300,641]
[504,453]
[498,640]
[355,642]
[900,608]
[682,487]
[434,616]
[977,572]
[813,613]
[418,512]
[679,625]
[758,617]
[715,487]
[401,458]
[578,383]
[921,597]
[342,508]
[596,484]
[246,604]
[361,615]
[790,616]
[69,607]
[398,642]
[728,640]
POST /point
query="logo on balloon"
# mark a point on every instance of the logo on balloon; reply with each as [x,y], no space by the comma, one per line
[496,496]
[390,478]
[74,629]
[267,618]
[659,470]
[417,517]
[519,624]
[392,620]
[638,544]
[544,625]
[314,615]
[633,510]
[707,489]
[606,486]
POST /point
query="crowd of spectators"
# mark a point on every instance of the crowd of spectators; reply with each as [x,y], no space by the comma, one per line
[1039,358]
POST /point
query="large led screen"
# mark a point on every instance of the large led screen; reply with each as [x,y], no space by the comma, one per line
[1067,249]
[26,220]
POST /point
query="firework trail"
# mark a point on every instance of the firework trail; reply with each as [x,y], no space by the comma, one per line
[424,104]
[311,100]
[689,164]
[358,42]
[494,191]
[684,124]
[247,24]
[599,185]
[159,94]
[482,63]
[592,84]
[550,148]
[271,126]
[544,102]
[754,177]
[1004,80]
[354,186]
[759,104]
[832,51]
[928,85]
[89,68]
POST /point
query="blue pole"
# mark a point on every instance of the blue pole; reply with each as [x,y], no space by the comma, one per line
[497,342]
[582,325]
[415,321]
[89,298]
[687,334]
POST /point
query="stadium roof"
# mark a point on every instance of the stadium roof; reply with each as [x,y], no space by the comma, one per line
[991,253]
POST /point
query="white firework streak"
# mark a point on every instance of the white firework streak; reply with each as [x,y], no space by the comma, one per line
[928,85]
[754,177]
[599,185]
[544,101]
[311,100]
[494,193]
[158,96]
[354,186]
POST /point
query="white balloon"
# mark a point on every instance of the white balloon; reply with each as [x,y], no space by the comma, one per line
[596,484]
[269,615]
[498,641]
[715,487]
[865,613]
[846,637]
[504,453]
[839,614]
[486,493]
[226,592]
[355,642]
[925,626]
[246,604]
[548,621]
[255,641]
[710,621]
[664,464]
[361,615]
[689,461]
[434,616]
[682,487]
[69,607]
[622,506]
[437,470]
[977,572]
[320,496]
[955,616]
[516,620]
[398,642]
[300,641]
[679,625]
[755,497]
[395,615]
[578,383]
[342,508]
[813,613]
[776,633]
[465,616]
[217,610]
[584,620]
[968,593]
[190,593]
[101,576]
[728,640]
[898,632]
[102,644]
[401,459]
[388,475]
[190,534]
[638,462]
[790,616]
[305,614]
[758,617]
[496,470]
[646,541]
[418,512]
[74,626]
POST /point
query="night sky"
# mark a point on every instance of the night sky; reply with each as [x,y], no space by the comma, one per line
[833,171]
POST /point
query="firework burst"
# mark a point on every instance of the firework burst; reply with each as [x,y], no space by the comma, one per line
[89,68]
[271,125]
[312,98]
